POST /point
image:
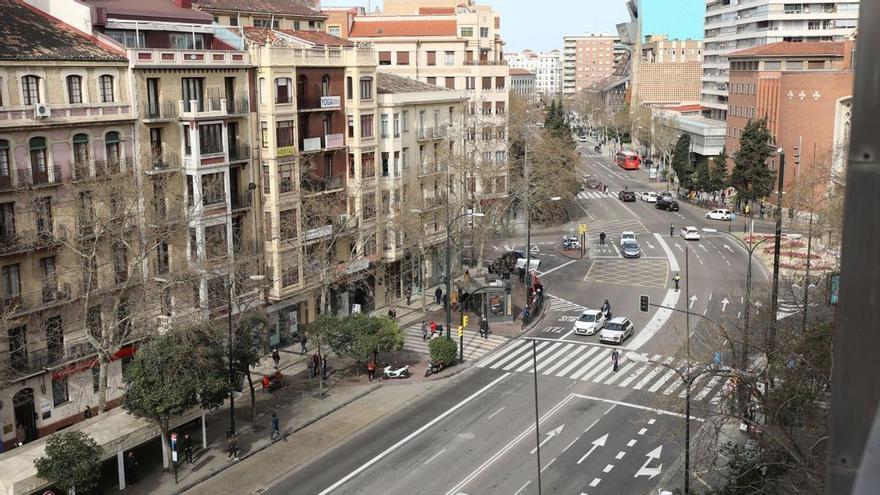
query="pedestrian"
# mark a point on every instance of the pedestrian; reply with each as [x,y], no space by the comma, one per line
[302,344]
[324,366]
[433,327]
[424,330]
[276,431]
[671,229]
[186,445]
[311,366]
[602,238]
[408,294]
[484,327]
[316,362]
[615,359]
[676,279]
[438,294]
[392,313]
[131,468]
[20,435]
[87,413]
[446,301]
[371,369]
[276,358]
[232,444]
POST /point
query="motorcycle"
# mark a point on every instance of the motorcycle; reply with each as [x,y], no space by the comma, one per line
[433,368]
[391,372]
[571,244]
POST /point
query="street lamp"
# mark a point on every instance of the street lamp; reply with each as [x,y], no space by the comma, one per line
[231,342]
[688,377]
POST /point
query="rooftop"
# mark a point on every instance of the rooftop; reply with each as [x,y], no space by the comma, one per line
[436,10]
[374,29]
[389,83]
[520,72]
[262,36]
[153,10]
[279,7]
[29,34]
[793,49]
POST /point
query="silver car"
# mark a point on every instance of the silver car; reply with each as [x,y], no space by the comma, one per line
[631,249]
[617,330]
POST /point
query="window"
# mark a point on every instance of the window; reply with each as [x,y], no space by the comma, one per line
[193,91]
[396,125]
[325,85]
[80,155]
[499,108]
[351,126]
[105,83]
[59,392]
[404,162]
[432,81]
[211,138]
[120,263]
[215,241]
[402,58]
[5,163]
[213,189]
[129,39]
[349,91]
[369,208]
[11,281]
[96,378]
[284,133]
[383,125]
[450,83]
[264,135]
[287,226]
[470,82]
[290,274]
[487,83]
[266,23]
[368,165]
[450,58]
[384,58]
[432,57]
[74,89]
[191,41]
[484,32]
[283,90]
[38,154]
[467,32]
[367,126]
[334,31]
[30,90]
[404,121]
[499,82]
[366,88]
[162,258]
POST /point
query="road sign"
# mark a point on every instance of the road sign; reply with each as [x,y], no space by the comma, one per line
[644,303]
[582,228]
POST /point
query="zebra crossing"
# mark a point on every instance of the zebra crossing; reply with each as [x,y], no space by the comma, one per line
[595,195]
[559,304]
[592,363]
[475,347]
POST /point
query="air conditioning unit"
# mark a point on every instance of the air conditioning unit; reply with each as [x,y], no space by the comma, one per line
[342,219]
[41,111]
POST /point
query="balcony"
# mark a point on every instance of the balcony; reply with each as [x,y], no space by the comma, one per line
[163,162]
[433,202]
[169,58]
[242,200]
[319,103]
[239,152]
[430,168]
[27,178]
[28,302]
[429,133]
[318,233]
[485,62]
[100,169]
[325,143]
[22,242]
[161,111]
[238,106]
[212,107]
[318,185]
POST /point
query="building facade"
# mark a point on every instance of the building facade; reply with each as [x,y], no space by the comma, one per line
[732,26]
[804,90]
[522,82]
[669,72]
[586,60]
[545,66]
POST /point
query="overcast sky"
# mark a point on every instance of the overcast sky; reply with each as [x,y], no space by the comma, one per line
[540,25]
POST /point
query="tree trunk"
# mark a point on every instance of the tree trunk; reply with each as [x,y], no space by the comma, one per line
[247,373]
[103,363]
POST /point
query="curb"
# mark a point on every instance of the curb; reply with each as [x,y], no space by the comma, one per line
[561,252]
[285,433]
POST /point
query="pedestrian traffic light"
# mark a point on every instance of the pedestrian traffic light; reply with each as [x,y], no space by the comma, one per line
[644,303]
[460,330]
[464,320]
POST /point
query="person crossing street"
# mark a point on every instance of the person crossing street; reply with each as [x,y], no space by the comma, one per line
[671,229]
[615,359]
[602,238]
[677,279]
[484,327]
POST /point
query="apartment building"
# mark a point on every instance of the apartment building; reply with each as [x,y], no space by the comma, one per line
[296,15]
[804,90]
[522,82]
[586,60]
[455,45]
[669,72]
[66,128]
[545,66]
[415,185]
[732,26]
[340,19]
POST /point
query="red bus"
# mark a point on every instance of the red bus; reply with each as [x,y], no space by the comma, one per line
[628,160]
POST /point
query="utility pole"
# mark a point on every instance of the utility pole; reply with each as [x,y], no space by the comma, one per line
[687,351]
[771,344]
[528,275]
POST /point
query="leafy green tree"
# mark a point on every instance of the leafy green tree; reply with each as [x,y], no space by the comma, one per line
[250,344]
[718,178]
[751,176]
[357,336]
[443,350]
[174,373]
[681,160]
[72,461]
[702,178]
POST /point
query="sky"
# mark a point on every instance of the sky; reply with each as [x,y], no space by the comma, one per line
[541,25]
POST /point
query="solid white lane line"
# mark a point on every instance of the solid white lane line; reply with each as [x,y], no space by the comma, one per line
[577,350]
[496,412]
[548,464]
[412,435]
[434,457]
[522,488]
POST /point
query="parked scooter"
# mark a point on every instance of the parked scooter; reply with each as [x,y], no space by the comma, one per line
[394,371]
[433,368]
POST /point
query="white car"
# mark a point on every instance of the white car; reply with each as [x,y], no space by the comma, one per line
[690,233]
[589,322]
[650,197]
[627,236]
[720,214]
[617,330]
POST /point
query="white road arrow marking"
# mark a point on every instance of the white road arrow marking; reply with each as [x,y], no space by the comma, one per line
[650,246]
[728,248]
[650,472]
[550,435]
[599,442]
[724,303]
[693,299]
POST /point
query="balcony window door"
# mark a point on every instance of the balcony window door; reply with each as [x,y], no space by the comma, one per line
[74,89]
[44,215]
[49,280]
[18,356]
[112,151]
[5,164]
[325,85]
[153,97]
[327,126]
[80,155]
[283,90]
[302,93]
[30,90]
[54,338]
[193,90]
[11,284]
[105,84]
[7,222]
[39,159]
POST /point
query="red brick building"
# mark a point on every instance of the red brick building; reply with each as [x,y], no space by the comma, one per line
[805,92]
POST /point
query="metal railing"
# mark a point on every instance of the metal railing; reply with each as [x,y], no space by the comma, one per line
[27,302]
[322,184]
[165,161]
[239,152]
[161,110]
[432,132]
[242,200]
[17,242]
[26,177]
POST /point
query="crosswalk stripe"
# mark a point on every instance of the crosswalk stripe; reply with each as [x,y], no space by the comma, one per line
[539,356]
[631,378]
[620,372]
[650,376]
[721,391]
[552,359]
[523,356]
[576,362]
[708,388]
[693,386]
[674,386]
[571,355]
[516,345]
[593,366]
[669,374]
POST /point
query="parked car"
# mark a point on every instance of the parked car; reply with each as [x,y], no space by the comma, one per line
[631,249]
[626,196]
[589,322]
[665,202]
[593,183]
[649,197]
[617,330]
[627,236]
[720,214]
[690,233]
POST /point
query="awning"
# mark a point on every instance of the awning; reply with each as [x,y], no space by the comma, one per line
[80,366]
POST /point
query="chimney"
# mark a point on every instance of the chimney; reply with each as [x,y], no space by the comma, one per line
[184,4]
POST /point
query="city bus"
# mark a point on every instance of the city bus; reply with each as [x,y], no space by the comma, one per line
[628,160]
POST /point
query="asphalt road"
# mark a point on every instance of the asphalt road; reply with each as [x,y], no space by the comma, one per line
[600,431]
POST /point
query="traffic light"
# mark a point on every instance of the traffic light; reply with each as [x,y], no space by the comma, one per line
[460,330]
[797,155]
[464,320]
[644,303]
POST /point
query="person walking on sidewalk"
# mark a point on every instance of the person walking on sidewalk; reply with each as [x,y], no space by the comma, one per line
[424,330]
[131,469]
[438,295]
[371,369]
[392,313]
[276,431]
[276,358]
[187,446]
[316,361]
[232,445]
[408,295]
[615,359]
[324,366]
[484,327]
[302,344]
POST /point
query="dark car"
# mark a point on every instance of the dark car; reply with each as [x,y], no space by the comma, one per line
[665,202]
[593,183]
[626,196]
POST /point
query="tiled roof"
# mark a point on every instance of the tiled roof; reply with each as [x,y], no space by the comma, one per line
[793,49]
[30,34]
[520,72]
[262,36]
[280,7]
[389,83]
[436,10]
[164,11]
[376,29]
[685,108]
